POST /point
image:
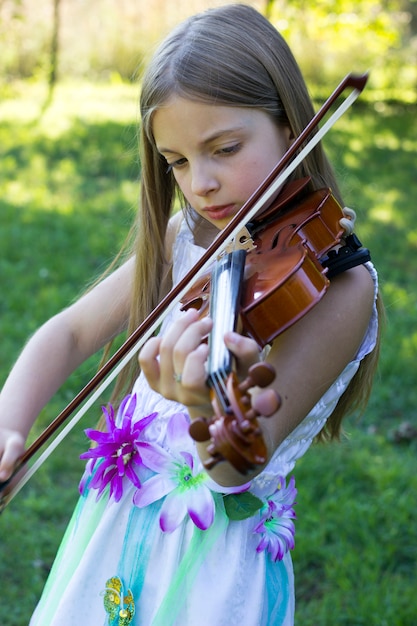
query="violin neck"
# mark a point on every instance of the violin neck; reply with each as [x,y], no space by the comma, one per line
[226,284]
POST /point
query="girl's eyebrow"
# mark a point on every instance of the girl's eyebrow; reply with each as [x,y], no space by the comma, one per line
[216,135]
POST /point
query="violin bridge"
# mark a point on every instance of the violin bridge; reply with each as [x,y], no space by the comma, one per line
[242,241]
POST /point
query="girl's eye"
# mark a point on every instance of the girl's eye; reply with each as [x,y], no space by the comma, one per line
[175,164]
[230,149]
[225,151]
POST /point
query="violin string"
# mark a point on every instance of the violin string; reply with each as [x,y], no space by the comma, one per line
[218,383]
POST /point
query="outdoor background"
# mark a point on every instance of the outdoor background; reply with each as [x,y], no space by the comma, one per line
[69,85]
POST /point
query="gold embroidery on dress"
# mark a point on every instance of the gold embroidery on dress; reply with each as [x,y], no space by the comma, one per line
[119,607]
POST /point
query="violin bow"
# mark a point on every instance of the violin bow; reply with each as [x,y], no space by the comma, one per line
[257,201]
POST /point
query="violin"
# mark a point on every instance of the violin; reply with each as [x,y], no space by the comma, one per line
[283,277]
[267,240]
[268,286]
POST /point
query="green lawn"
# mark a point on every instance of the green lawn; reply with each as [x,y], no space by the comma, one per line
[68,189]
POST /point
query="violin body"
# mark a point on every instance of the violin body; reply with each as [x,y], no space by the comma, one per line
[284,278]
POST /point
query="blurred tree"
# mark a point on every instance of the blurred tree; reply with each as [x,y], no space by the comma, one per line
[54,53]
[102,38]
[268,8]
[53,63]
[333,37]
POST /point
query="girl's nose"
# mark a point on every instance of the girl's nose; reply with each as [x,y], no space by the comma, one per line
[203,181]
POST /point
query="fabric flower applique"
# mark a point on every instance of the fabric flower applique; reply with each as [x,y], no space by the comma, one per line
[180,478]
[119,607]
[118,450]
[276,526]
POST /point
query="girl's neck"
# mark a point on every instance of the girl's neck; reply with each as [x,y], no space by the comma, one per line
[204,233]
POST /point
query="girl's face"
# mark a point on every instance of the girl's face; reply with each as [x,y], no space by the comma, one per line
[219,155]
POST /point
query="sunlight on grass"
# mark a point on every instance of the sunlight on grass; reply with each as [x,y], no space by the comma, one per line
[389,141]
[385,206]
[398,296]
[71,100]
[412,237]
[70,158]
[409,346]
[68,191]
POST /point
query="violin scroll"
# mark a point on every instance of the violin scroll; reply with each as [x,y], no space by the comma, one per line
[235,434]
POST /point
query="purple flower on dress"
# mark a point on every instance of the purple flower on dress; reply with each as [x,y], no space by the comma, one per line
[180,478]
[276,527]
[117,451]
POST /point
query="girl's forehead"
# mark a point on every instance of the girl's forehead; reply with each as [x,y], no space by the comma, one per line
[200,120]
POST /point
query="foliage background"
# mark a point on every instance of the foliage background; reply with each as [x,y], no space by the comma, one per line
[103,38]
[68,190]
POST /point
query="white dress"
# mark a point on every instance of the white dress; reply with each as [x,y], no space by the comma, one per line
[180,559]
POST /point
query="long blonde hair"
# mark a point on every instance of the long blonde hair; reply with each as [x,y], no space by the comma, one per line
[229,56]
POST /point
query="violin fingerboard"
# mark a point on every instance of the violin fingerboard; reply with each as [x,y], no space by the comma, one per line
[226,285]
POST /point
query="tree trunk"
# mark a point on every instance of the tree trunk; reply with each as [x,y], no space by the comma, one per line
[268,8]
[54,54]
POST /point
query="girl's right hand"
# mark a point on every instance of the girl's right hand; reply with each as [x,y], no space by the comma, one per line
[12,446]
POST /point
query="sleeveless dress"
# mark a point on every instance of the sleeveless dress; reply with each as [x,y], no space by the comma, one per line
[161,544]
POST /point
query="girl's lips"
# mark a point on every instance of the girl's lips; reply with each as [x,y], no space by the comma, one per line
[220,212]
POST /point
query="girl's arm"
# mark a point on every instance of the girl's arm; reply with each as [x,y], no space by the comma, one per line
[307,358]
[54,352]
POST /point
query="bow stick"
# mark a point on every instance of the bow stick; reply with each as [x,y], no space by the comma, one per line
[257,201]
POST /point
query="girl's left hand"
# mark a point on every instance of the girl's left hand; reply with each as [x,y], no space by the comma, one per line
[174,365]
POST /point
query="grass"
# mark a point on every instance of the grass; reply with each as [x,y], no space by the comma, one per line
[68,183]
[356,547]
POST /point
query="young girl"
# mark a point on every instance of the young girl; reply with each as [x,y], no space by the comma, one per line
[156,539]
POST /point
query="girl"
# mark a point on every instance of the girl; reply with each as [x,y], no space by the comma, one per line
[156,539]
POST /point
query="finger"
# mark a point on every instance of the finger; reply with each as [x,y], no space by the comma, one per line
[177,328]
[194,370]
[266,402]
[184,336]
[149,362]
[190,340]
[245,349]
[191,389]
[168,342]
[12,482]
[13,450]
[182,365]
